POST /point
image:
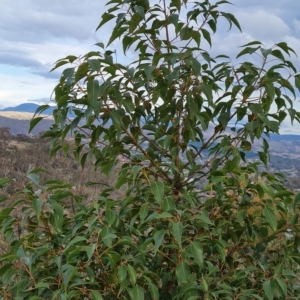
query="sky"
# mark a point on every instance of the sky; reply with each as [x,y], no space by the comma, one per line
[34,34]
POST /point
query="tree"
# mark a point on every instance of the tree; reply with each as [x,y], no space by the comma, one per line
[174,117]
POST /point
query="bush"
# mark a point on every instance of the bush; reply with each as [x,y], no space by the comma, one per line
[175,120]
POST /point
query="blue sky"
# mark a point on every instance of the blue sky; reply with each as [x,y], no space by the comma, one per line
[34,34]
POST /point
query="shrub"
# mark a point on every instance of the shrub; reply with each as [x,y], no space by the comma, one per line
[175,119]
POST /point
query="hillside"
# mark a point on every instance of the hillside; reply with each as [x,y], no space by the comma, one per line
[20,153]
[18,122]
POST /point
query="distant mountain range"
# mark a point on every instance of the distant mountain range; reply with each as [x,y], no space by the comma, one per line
[29,107]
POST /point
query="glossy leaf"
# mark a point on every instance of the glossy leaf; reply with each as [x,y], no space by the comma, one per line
[269,289]
[197,253]
[157,189]
[177,229]
[270,218]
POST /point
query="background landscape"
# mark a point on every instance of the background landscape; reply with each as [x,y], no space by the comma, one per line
[284,150]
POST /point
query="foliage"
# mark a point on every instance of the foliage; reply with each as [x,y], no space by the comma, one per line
[172,118]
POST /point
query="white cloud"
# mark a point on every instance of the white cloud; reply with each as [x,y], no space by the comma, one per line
[16,89]
[262,25]
[296,25]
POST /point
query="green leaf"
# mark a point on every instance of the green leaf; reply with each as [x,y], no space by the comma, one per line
[41,285]
[177,229]
[140,10]
[68,273]
[152,289]
[269,289]
[116,119]
[120,17]
[206,35]
[68,73]
[127,41]
[232,19]
[36,170]
[94,64]
[101,45]
[74,241]
[157,189]
[264,157]
[122,273]
[138,293]
[110,216]
[176,3]
[93,90]
[247,50]
[252,43]
[173,19]
[37,204]
[297,81]
[207,91]
[108,239]
[278,54]
[168,204]
[40,109]
[270,217]
[148,71]
[296,202]
[59,64]
[4,181]
[34,178]
[267,189]
[212,25]
[163,215]
[182,273]
[246,146]
[5,268]
[144,212]
[96,295]
[81,71]
[265,52]
[270,90]
[90,250]
[132,274]
[158,238]
[34,122]
[186,33]
[283,286]
[204,216]
[117,33]
[197,253]
[284,46]
[195,65]
[105,18]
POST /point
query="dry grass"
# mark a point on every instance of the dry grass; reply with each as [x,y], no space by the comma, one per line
[20,115]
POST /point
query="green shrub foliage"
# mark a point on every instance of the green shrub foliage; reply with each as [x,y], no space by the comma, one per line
[197,219]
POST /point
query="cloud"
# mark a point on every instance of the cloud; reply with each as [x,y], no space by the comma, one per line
[35,34]
[32,20]
[263,25]
[43,100]
[17,88]
[296,25]
[18,59]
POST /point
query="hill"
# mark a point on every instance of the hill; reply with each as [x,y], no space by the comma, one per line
[29,107]
[20,153]
[18,122]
